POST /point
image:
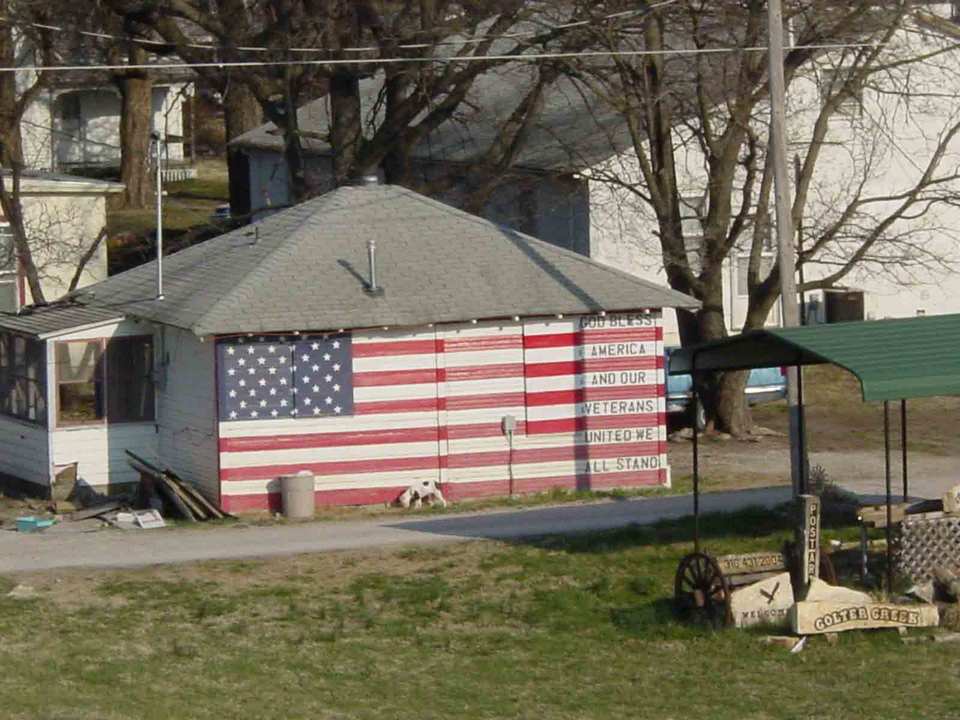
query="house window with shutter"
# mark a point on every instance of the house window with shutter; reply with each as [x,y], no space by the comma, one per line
[105,381]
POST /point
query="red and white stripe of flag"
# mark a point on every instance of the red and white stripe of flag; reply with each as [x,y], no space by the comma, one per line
[429,405]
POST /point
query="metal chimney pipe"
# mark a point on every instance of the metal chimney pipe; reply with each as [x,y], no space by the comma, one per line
[372,256]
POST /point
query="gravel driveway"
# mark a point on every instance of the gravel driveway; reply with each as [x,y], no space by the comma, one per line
[132,548]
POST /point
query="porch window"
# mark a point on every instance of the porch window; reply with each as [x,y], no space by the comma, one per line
[105,381]
[79,382]
[22,378]
[130,396]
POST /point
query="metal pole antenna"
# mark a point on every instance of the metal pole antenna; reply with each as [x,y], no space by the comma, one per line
[787,260]
[158,143]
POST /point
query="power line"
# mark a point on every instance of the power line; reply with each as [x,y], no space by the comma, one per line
[521,57]
[407,46]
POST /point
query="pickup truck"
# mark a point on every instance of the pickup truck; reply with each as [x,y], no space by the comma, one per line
[763,385]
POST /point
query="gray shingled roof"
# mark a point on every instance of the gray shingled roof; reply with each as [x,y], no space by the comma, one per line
[304,269]
[56,318]
[572,131]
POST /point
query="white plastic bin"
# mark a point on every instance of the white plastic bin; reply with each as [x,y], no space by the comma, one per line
[296,494]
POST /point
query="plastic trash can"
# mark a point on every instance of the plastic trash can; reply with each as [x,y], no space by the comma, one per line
[296,495]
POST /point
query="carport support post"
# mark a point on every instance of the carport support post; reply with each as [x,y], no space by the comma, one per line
[903,445]
[886,463]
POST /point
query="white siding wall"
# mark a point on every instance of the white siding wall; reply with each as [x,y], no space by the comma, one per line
[594,390]
[99,449]
[35,131]
[61,227]
[186,411]
[25,452]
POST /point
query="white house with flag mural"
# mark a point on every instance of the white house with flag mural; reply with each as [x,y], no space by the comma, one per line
[479,357]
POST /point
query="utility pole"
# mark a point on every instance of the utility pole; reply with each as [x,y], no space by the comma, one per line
[788,287]
[797,176]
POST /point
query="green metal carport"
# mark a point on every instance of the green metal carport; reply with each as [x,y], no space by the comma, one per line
[893,360]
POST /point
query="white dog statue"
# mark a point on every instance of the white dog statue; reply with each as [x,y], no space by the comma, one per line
[420,491]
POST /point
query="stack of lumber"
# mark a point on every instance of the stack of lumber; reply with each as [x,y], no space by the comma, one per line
[185,499]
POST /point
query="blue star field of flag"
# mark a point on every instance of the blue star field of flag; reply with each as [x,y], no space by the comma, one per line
[271,377]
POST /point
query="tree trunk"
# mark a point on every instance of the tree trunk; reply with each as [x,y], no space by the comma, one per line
[293,146]
[396,163]
[241,111]
[722,394]
[732,410]
[136,90]
[345,128]
[11,160]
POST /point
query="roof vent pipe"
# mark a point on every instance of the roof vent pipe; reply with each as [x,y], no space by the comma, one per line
[366,179]
[372,287]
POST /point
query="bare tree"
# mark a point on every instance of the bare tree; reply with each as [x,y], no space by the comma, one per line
[417,96]
[699,176]
[46,241]
[17,92]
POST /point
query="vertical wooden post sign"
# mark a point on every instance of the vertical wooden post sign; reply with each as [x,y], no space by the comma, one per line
[809,538]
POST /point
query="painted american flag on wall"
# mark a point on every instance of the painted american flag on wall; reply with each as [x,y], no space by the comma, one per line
[265,377]
[586,393]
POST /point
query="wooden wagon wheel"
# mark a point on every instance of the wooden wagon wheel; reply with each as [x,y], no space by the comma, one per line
[701,592]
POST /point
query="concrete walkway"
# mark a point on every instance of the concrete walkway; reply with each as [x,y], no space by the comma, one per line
[134,548]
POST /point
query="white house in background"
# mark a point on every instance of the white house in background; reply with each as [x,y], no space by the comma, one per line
[75,124]
[896,136]
[64,216]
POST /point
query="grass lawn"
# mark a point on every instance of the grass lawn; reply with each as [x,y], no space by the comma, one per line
[187,218]
[562,628]
[187,205]
[211,183]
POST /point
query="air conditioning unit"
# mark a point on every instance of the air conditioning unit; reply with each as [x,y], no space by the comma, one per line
[843,305]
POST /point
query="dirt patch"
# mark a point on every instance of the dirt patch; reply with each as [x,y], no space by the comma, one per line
[844,436]
[735,464]
[12,508]
[839,420]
